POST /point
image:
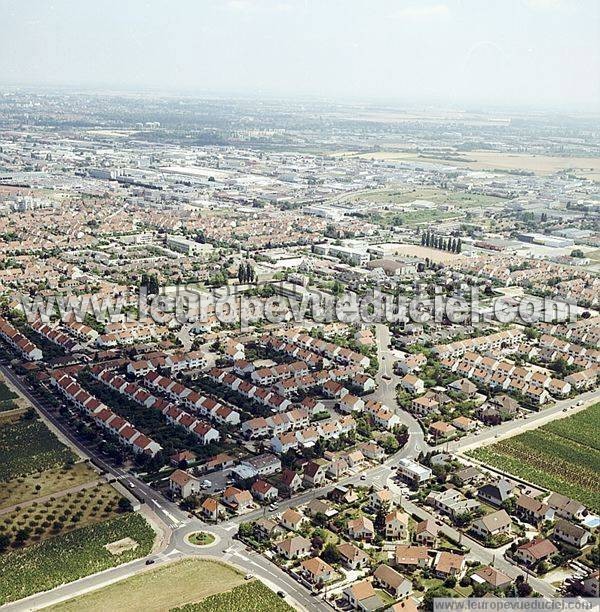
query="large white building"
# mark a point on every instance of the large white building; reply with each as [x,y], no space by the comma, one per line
[187,246]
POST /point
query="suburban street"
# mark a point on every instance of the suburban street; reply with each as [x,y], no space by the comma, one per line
[175,525]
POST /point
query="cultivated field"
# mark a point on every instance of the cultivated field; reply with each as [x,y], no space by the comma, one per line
[40,521]
[7,396]
[72,556]
[250,597]
[563,456]
[588,167]
[47,482]
[164,588]
[28,446]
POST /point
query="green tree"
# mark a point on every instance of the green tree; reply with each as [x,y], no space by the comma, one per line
[435,593]
[330,553]
[4,541]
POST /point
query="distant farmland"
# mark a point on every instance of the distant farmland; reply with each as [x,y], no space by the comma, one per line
[563,456]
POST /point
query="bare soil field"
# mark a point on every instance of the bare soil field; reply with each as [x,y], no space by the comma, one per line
[588,167]
[435,255]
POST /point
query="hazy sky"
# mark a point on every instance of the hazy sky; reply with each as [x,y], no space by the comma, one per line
[526,52]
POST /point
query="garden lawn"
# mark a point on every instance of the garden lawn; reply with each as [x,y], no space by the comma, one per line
[170,586]
[562,456]
[70,557]
[28,446]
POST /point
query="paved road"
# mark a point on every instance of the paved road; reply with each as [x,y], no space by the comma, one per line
[178,526]
[531,421]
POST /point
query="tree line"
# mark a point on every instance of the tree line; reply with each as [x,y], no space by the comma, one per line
[430,239]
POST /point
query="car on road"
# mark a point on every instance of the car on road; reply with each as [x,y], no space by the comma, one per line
[363,477]
[273,507]
[131,485]
[386,377]
[149,561]
[281,594]
[564,409]
[206,484]
[248,576]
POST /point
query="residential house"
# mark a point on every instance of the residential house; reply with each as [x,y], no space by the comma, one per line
[493,524]
[567,508]
[362,596]
[491,576]
[264,491]
[426,533]
[211,509]
[532,510]
[293,547]
[381,498]
[413,472]
[464,423]
[411,557]
[236,498]
[424,405]
[392,581]
[292,519]
[412,384]
[314,473]
[361,528]
[535,551]
[441,429]
[352,556]
[448,565]
[265,529]
[290,481]
[574,535]
[496,493]
[464,386]
[351,403]
[316,571]
[396,525]
[182,484]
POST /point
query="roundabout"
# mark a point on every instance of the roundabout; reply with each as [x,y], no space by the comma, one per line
[202,539]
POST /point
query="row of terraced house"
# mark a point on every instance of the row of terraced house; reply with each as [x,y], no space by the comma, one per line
[174,415]
[103,416]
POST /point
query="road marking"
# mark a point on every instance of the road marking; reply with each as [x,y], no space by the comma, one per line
[229,527]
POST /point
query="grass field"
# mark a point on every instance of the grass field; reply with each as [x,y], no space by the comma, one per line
[164,588]
[72,556]
[47,482]
[28,446]
[60,515]
[398,195]
[563,456]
